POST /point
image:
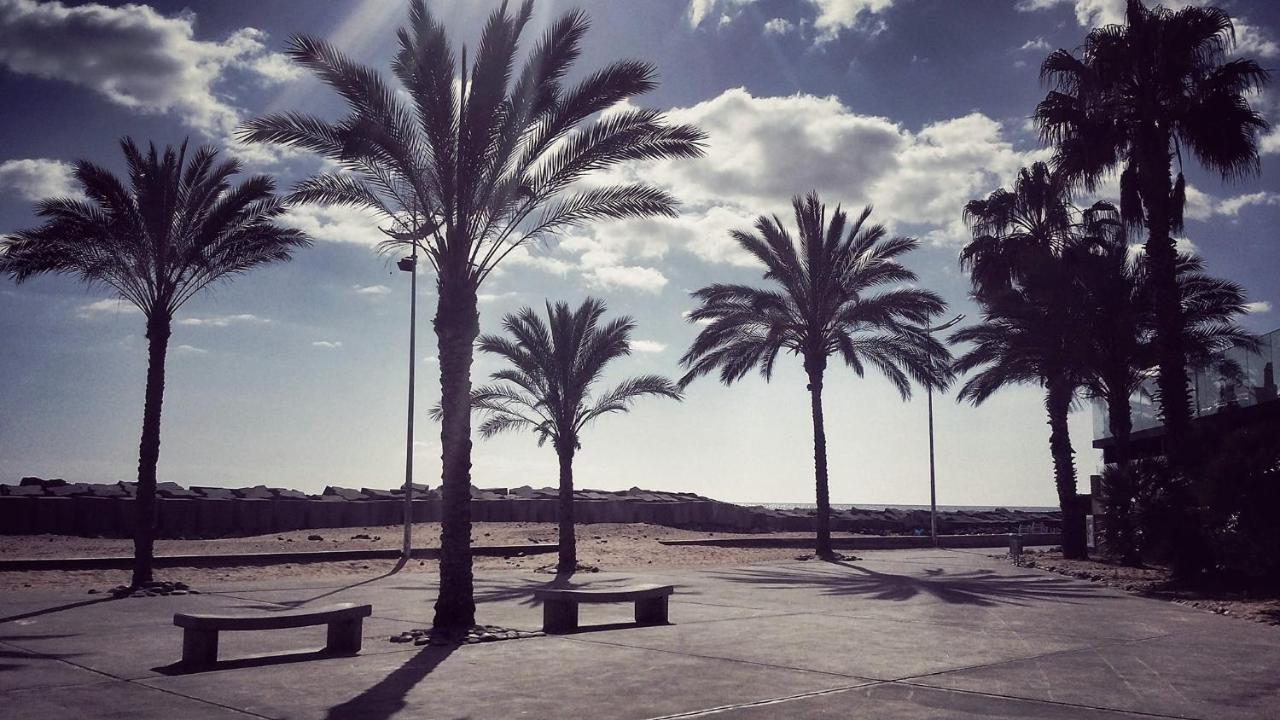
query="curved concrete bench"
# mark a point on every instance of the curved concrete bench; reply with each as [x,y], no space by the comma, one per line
[560,607]
[200,630]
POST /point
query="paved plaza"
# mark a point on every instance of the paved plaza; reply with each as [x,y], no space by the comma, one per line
[897,634]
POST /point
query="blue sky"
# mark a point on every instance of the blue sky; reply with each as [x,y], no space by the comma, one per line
[295,375]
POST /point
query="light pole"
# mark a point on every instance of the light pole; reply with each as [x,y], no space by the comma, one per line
[409,265]
[933,483]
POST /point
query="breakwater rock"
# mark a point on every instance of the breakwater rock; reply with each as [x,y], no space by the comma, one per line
[37,506]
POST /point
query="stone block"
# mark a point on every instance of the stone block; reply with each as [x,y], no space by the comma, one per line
[289,514]
[177,518]
[215,517]
[17,515]
[95,516]
[55,515]
[253,516]
[428,510]
[324,514]
[360,514]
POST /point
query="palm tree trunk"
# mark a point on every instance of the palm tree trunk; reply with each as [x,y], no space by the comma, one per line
[1120,494]
[144,503]
[568,542]
[823,518]
[1058,404]
[1162,254]
[457,324]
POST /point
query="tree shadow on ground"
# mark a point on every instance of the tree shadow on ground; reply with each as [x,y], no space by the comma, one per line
[54,609]
[984,588]
[386,698]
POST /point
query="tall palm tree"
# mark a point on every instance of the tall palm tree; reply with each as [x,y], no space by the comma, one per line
[547,387]
[1024,338]
[1137,96]
[1021,263]
[469,168]
[1119,344]
[178,227]
[823,305]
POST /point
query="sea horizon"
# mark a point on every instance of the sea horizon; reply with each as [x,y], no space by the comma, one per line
[899,506]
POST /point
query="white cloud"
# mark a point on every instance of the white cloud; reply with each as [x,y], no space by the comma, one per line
[189,350]
[327,344]
[1261,306]
[1202,206]
[37,178]
[779,26]
[335,224]
[139,58]
[111,306]
[225,320]
[1253,41]
[1037,44]
[632,277]
[763,150]
[372,290]
[1269,144]
[1093,13]
[830,17]
[431,360]
[494,297]
[648,346]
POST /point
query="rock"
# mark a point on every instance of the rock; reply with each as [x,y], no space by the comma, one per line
[178,592]
[93,591]
[402,638]
[314,537]
[361,536]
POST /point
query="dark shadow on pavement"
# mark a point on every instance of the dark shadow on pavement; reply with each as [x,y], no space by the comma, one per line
[976,587]
[178,668]
[335,591]
[58,608]
[387,697]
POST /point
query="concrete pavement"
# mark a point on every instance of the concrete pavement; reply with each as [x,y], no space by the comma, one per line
[899,634]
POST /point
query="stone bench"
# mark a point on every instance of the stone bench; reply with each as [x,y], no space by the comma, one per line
[560,607]
[200,630]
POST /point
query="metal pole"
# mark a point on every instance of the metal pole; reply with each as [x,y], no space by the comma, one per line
[933,486]
[408,447]
[933,482]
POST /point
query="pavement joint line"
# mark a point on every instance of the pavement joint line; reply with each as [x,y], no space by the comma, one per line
[772,666]
[175,693]
[1118,711]
[764,703]
[954,626]
[1051,653]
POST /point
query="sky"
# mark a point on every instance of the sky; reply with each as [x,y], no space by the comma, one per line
[295,375]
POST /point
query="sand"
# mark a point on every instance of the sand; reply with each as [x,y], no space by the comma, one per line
[607,546]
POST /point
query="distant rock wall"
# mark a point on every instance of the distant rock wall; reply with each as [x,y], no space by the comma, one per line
[37,506]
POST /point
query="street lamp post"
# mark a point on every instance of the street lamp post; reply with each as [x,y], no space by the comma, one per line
[933,483]
[409,265]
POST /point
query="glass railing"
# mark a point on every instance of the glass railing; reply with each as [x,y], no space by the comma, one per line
[1239,378]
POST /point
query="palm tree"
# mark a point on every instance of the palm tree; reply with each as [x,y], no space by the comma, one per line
[1135,98]
[1021,263]
[822,306]
[1117,294]
[1025,338]
[177,228]
[467,169]
[548,387]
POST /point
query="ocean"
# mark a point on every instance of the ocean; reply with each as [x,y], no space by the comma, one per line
[873,506]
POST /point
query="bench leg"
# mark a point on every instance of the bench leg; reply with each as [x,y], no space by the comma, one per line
[199,648]
[652,611]
[344,636]
[559,616]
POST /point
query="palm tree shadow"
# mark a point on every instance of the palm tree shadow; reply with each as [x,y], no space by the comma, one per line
[58,608]
[983,588]
[524,589]
[335,591]
[386,698]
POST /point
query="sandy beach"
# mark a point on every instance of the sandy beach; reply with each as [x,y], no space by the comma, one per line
[607,546]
